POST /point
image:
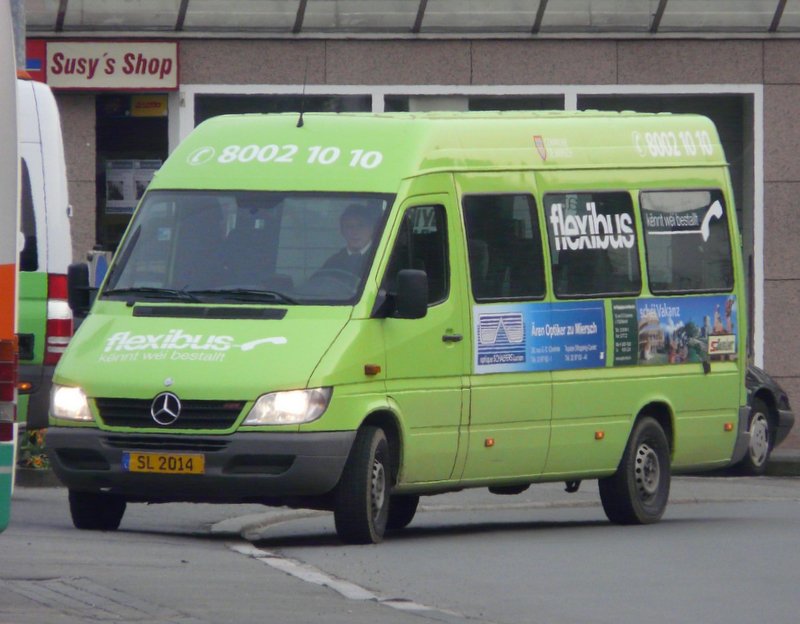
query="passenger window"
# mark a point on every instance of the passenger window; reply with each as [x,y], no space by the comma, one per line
[593,244]
[687,241]
[504,246]
[422,244]
[29,254]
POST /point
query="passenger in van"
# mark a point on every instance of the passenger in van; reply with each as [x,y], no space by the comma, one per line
[357,225]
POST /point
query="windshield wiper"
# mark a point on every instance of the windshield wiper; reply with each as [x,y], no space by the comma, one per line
[153,293]
[244,294]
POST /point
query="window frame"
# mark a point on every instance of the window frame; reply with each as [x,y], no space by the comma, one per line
[630,193]
[533,206]
[447,266]
[726,214]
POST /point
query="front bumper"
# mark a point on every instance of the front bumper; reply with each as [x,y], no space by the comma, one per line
[41,380]
[243,467]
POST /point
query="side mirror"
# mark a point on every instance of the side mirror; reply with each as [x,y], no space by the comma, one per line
[411,300]
[78,290]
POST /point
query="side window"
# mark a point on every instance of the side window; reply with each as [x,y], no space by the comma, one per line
[504,246]
[29,254]
[593,244]
[422,244]
[687,241]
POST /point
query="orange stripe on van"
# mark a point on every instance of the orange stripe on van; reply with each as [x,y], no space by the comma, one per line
[8,273]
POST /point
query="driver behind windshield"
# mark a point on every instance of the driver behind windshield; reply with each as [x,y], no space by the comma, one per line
[357,226]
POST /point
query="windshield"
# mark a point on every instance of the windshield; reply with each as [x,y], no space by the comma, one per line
[207,246]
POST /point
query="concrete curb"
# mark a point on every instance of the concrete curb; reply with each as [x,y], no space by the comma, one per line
[35,477]
[784,463]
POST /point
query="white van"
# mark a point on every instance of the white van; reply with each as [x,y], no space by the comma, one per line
[45,249]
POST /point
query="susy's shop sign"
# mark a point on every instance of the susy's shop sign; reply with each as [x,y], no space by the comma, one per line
[118,66]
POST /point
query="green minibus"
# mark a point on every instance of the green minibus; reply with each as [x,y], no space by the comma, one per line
[349,311]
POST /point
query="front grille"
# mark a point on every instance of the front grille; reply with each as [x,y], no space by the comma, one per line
[135,413]
[185,444]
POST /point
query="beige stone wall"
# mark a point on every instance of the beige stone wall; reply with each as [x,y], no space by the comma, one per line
[536,62]
[78,127]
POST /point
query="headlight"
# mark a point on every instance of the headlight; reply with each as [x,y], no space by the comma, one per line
[290,407]
[69,403]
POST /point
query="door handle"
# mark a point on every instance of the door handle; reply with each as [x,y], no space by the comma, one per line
[452,338]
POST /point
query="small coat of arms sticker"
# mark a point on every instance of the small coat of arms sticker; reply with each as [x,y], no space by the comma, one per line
[540,146]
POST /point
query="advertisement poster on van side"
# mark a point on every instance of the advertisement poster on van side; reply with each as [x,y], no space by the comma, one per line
[539,337]
[676,330]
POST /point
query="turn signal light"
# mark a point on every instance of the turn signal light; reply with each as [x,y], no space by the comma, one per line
[372,369]
[728,427]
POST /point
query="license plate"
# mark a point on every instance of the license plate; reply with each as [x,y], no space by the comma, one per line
[164,463]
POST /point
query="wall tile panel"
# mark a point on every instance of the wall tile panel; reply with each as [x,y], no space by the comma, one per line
[689,62]
[398,62]
[251,62]
[780,62]
[781,133]
[781,303]
[782,230]
[544,62]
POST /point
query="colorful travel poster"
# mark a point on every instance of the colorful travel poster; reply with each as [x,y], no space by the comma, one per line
[687,329]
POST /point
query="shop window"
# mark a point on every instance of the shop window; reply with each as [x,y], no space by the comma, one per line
[504,246]
[406,103]
[132,143]
[207,106]
[687,241]
[593,244]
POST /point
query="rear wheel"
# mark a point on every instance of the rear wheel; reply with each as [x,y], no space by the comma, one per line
[638,492]
[96,511]
[759,445]
[361,509]
[402,508]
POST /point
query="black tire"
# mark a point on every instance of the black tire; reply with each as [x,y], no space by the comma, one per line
[402,508]
[361,508]
[96,511]
[638,492]
[759,445]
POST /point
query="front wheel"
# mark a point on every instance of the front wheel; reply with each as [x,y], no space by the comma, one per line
[361,508]
[96,511]
[638,492]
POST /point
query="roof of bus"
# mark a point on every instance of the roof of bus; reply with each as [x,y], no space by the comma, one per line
[373,152]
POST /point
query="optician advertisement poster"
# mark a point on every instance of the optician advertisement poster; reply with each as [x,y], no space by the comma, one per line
[539,337]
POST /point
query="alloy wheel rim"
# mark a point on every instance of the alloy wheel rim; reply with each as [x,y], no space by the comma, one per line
[378,489]
[759,439]
[647,471]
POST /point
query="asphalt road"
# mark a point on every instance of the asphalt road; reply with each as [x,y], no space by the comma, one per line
[725,552]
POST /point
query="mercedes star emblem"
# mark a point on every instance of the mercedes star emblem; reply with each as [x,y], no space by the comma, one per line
[166,408]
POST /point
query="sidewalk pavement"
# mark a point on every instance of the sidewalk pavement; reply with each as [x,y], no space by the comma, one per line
[782,463]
